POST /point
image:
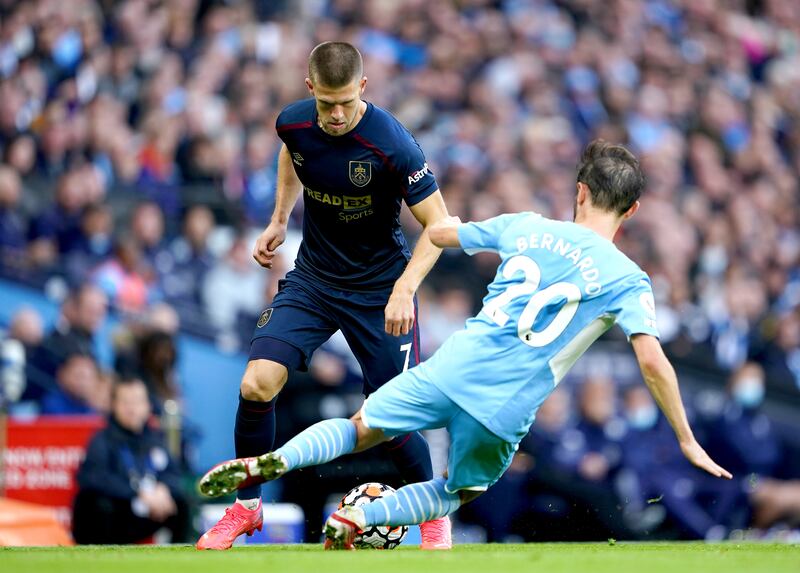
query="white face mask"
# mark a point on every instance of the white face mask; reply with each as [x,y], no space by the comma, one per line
[749,392]
[643,417]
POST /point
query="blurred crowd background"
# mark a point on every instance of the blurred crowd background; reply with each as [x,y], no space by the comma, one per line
[138,159]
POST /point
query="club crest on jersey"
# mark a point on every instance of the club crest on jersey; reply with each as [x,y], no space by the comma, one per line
[264,318]
[360,172]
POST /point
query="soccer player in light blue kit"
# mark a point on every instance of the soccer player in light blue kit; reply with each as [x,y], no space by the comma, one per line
[559,286]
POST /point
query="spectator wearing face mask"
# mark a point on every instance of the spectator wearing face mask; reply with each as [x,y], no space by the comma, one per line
[655,469]
[94,243]
[741,434]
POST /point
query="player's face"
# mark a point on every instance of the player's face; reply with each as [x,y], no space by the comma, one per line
[338,108]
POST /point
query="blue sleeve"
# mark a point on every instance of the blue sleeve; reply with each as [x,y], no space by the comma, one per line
[293,119]
[416,177]
[637,309]
[484,235]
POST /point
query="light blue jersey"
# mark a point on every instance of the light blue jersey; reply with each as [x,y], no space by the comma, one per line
[558,288]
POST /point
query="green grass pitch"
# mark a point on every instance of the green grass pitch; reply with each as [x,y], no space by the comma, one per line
[620,557]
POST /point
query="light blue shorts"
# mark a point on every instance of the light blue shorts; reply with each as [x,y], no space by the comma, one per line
[408,403]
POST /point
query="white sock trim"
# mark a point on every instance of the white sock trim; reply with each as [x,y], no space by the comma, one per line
[249,504]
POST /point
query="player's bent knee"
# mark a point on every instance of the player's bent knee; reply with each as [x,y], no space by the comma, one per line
[366,437]
[263,380]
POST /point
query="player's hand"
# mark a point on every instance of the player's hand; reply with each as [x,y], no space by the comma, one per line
[399,313]
[698,456]
[268,242]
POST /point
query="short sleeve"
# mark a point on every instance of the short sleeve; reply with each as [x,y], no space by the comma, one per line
[416,176]
[637,310]
[484,236]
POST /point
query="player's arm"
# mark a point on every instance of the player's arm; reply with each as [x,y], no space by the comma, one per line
[444,232]
[399,313]
[662,382]
[286,194]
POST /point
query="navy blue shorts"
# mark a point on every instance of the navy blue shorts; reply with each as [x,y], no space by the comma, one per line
[304,314]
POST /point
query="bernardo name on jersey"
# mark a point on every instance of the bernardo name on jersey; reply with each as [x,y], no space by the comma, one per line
[558,288]
[585,265]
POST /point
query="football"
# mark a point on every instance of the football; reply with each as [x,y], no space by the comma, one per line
[377,536]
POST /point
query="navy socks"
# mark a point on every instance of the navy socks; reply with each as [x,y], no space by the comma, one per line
[253,434]
[411,457]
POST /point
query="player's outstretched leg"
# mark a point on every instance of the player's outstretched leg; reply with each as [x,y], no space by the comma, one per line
[255,424]
[318,444]
[412,457]
[410,505]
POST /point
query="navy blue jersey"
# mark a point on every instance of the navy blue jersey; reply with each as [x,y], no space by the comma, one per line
[353,186]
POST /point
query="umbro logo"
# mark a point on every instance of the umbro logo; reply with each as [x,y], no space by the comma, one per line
[297,159]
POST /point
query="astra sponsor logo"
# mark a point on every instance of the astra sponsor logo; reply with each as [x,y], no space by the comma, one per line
[417,175]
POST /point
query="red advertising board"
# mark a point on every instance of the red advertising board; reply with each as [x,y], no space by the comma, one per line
[41,458]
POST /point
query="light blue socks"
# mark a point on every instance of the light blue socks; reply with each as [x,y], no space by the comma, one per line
[320,443]
[412,504]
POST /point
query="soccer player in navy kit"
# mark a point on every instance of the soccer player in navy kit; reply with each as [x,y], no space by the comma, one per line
[355,164]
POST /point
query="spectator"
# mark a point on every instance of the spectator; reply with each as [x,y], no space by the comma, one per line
[599,432]
[83,312]
[531,500]
[26,326]
[157,368]
[259,177]
[780,354]
[657,470]
[236,285]
[58,229]
[128,485]
[193,259]
[548,445]
[81,389]
[20,155]
[122,277]
[591,456]
[741,435]
[147,228]
[776,502]
[12,223]
[25,333]
[93,244]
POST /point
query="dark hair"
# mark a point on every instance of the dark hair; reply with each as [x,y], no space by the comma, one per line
[127,380]
[335,64]
[613,175]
